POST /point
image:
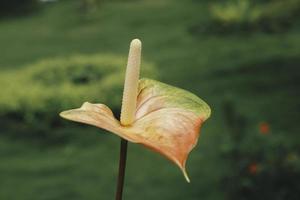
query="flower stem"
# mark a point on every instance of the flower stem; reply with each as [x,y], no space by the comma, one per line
[129,105]
[122,167]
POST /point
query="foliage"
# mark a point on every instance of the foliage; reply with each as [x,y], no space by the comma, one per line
[38,92]
[89,7]
[16,7]
[239,12]
[261,165]
[272,16]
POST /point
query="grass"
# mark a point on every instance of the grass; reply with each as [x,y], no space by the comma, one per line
[214,67]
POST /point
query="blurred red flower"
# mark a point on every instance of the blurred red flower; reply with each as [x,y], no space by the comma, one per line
[264,128]
[253,168]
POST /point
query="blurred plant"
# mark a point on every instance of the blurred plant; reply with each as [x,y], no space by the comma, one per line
[32,95]
[248,16]
[238,12]
[89,6]
[279,15]
[16,7]
[260,167]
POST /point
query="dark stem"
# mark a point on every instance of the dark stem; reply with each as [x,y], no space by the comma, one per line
[122,167]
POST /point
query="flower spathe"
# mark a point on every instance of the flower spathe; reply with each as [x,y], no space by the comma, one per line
[167,120]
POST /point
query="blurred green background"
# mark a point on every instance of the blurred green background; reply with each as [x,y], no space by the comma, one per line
[240,56]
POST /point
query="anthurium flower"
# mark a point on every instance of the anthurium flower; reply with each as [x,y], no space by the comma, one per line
[164,118]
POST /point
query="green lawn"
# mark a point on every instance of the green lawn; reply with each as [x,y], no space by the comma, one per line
[258,72]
